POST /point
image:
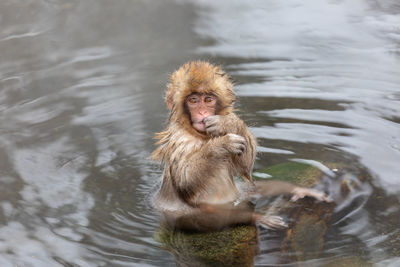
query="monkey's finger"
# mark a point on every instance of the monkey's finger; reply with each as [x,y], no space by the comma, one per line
[211,120]
[299,193]
[298,196]
[318,195]
[234,137]
[239,148]
[241,141]
[212,117]
[237,151]
[295,198]
[272,222]
[326,198]
[209,124]
[212,129]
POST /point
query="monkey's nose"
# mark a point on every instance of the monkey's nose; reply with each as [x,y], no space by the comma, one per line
[203,112]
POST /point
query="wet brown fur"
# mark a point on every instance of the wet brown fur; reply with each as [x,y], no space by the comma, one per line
[196,166]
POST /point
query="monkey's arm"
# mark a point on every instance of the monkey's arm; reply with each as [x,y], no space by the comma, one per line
[245,161]
[274,188]
[221,125]
[209,217]
[212,217]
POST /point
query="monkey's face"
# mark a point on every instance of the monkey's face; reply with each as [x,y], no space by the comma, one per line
[200,106]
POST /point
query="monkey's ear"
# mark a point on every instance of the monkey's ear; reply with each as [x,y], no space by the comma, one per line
[169,99]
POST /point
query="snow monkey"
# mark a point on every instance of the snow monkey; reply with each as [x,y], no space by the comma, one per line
[204,146]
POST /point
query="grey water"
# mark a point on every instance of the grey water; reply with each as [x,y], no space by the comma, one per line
[81,96]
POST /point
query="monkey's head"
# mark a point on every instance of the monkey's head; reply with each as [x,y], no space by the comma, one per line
[197,90]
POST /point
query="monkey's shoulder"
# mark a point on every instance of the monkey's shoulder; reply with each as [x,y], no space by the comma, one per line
[175,144]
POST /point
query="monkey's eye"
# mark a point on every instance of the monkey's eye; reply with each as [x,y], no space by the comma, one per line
[192,100]
[208,99]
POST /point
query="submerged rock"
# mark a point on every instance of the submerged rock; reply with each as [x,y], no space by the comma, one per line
[304,238]
[349,262]
[234,246]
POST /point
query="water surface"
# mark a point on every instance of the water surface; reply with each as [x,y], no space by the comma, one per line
[81,96]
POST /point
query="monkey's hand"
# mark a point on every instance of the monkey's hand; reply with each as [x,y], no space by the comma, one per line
[214,125]
[301,192]
[219,125]
[271,222]
[234,143]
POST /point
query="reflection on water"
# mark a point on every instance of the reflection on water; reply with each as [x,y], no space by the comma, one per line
[81,87]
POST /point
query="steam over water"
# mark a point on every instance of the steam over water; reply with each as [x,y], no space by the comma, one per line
[81,96]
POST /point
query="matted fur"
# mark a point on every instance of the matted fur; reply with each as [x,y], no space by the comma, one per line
[199,77]
[196,166]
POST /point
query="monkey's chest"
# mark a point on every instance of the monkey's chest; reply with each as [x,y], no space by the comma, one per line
[221,190]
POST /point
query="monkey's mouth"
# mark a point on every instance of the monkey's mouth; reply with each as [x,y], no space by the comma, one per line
[199,125]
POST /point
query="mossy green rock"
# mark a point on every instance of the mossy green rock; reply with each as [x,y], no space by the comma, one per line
[349,262]
[295,172]
[234,246]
